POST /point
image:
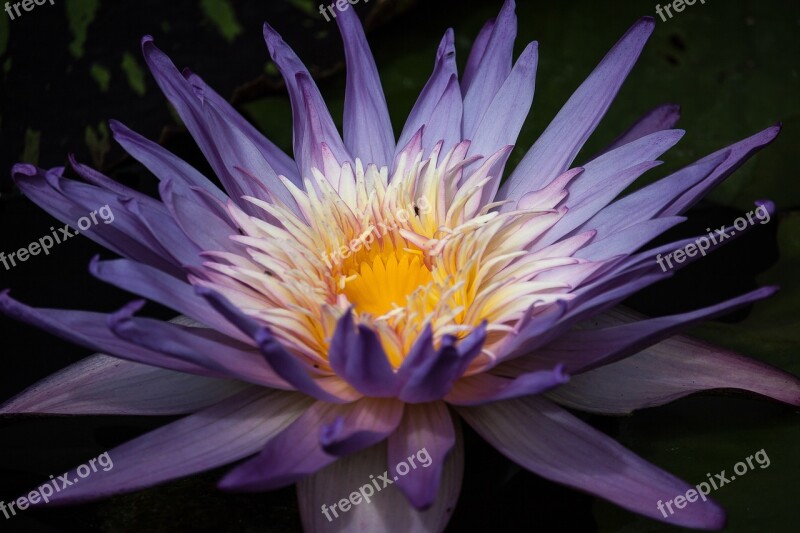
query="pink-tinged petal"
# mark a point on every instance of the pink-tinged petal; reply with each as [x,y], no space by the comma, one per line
[103,385]
[226,432]
[484,388]
[426,429]
[547,440]
[432,93]
[581,350]
[203,347]
[491,71]
[298,451]
[387,509]
[669,370]
[368,130]
[557,147]
[663,117]
[505,114]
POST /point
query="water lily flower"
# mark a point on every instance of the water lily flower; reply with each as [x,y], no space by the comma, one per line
[321,352]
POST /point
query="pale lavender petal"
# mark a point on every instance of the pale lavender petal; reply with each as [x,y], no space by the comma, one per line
[387,510]
[433,91]
[557,147]
[663,117]
[476,54]
[368,130]
[547,440]
[305,101]
[671,369]
[161,162]
[104,385]
[444,124]
[628,240]
[507,111]
[224,433]
[277,158]
[425,428]
[491,71]
[124,236]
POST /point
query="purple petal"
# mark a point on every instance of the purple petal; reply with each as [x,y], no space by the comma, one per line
[628,240]
[444,123]
[557,147]
[308,108]
[153,284]
[663,117]
[672,369]
[386,510]
[91,330]
[223,144]
[738,154]
[297,452]
[199,346]
[485,388]
[356,355]
[549,441]
[476,54]
[426,430]
[368,131]
[103,385]
[162,163]
[428,374]
[68,201]
[432,93]
[581,350]
[285,364]
[507,111]
[491,71]
[224,433]
[277,158]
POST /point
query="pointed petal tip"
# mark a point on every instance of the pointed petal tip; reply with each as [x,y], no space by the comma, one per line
[124,314]
[26,169]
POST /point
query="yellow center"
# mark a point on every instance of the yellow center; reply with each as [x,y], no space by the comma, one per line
[379,279]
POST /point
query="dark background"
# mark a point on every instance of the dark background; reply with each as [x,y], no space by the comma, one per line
[734,66]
